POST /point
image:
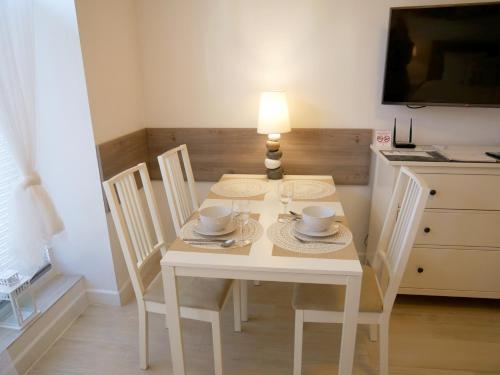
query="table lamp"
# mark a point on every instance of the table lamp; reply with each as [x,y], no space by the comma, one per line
[273,121]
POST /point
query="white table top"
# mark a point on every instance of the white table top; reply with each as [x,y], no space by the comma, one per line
[260,258]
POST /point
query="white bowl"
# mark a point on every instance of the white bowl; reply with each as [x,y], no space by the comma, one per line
[215,218]
[318,218]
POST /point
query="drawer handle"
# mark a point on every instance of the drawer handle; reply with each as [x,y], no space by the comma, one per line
[427,229]
[433,192]
[420,270]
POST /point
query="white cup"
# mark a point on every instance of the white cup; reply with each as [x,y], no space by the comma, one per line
[215,218]
[318,218]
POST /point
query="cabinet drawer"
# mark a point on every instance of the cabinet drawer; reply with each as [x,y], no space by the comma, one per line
[459,228]
[458,191]
[473,270]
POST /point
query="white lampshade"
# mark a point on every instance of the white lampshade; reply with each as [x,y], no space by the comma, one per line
[273,113]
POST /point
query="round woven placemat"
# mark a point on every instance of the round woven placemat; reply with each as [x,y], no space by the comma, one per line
[282,235]
[311,189]
[252,231]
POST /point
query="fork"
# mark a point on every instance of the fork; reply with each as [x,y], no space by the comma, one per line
[319,241]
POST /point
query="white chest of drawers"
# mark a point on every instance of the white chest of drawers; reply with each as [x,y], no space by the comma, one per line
[457,250]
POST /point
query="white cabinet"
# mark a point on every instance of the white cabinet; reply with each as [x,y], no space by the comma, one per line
[459,228]
[452,272]
[457,249]
[463,191]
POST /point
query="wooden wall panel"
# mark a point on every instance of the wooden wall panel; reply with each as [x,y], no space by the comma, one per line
[121,153]
[342,153]
[213,152]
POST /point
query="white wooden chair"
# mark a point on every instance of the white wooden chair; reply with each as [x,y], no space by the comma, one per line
[182,199]
[380,282]
[141,238]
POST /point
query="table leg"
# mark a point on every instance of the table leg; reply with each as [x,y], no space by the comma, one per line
[244,300]
[173,320]
[351,311]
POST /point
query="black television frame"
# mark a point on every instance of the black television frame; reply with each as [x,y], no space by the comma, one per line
[430,104]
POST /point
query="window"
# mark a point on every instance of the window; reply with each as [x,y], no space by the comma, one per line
[8,173]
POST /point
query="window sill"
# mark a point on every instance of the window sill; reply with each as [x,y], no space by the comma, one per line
[49,289]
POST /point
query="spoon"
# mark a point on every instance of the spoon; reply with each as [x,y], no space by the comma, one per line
[227,243]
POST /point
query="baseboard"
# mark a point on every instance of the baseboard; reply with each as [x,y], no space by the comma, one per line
[40,336]
[103,297]
[111,297]
[449,293]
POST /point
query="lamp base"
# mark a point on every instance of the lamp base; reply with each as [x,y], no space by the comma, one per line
[275,174]
[273,156]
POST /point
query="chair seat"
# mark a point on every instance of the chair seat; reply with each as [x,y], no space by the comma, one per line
[332,297]
[197,292]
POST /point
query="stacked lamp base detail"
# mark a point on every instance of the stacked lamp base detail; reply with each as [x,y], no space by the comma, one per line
[273,156]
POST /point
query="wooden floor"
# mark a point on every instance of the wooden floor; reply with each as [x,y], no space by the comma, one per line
[429,336]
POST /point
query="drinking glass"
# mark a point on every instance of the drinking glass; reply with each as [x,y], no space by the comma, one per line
[241,212]
[285,190]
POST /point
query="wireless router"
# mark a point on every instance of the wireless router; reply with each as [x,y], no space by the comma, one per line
[396,144]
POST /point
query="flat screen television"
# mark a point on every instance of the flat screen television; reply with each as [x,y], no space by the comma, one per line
[444,55]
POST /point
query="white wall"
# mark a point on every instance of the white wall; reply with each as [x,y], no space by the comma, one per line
[108,34]
[111,59]
[205,62]
[67,159]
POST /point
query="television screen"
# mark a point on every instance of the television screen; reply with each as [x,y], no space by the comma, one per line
[444,55]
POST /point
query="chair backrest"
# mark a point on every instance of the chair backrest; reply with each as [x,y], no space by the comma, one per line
[181,196]
[398,233]
[137,223]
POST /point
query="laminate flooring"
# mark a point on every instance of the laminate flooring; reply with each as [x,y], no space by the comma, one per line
[428,336]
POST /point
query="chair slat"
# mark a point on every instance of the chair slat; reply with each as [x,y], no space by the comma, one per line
[399,232]
[186,201]
[190,177]
[168,184]
[142,218]
[131,226]
[181,194]
[398,227]
[134,203]
[151,201]
[179,181]
[176,190]
[405,221]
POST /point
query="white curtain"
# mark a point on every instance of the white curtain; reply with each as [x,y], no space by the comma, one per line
[33,218]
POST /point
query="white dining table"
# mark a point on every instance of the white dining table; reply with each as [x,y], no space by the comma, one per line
[261,264]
